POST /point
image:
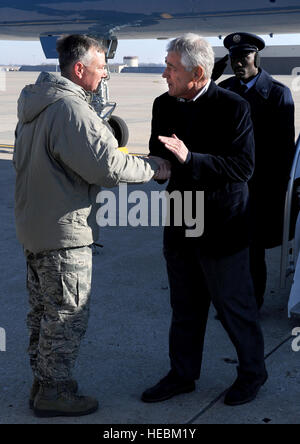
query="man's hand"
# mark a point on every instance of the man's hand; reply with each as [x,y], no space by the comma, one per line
[164,171]
[219,68]
[176,146]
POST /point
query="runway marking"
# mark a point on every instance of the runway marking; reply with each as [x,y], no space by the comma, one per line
[124,150]
[6,146]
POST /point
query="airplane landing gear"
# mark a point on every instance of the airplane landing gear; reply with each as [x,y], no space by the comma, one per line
[119,129]
[104,107]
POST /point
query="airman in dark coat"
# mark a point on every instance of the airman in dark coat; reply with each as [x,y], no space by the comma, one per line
[272,112]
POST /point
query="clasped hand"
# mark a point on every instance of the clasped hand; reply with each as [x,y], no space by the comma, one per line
[164,171]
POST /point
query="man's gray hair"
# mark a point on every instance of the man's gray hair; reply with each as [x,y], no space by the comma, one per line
[195,51]
[74,48]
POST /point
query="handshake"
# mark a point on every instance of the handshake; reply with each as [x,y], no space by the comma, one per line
[164,170]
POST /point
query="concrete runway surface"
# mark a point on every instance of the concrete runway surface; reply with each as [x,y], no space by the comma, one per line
[125,349]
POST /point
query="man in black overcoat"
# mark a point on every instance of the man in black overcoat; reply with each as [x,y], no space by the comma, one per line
[206,133]
[272,111]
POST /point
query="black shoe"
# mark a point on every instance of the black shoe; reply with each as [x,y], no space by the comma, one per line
[171,385]
[244,389]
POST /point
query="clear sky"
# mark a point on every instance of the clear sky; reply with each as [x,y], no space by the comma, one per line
[148,51]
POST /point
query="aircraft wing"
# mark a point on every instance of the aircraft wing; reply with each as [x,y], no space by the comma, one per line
[130,19]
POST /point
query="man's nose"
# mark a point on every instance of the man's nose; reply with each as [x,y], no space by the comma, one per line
[237,63]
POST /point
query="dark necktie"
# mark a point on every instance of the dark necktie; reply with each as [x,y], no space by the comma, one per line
[242,89]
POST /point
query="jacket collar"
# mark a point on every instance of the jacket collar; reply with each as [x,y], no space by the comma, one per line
[212,90]
[56,79]
[263,84]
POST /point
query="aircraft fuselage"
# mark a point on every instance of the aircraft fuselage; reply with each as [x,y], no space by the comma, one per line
[128,19]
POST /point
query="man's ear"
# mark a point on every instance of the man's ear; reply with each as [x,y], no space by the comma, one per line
[78,70]
[199,73]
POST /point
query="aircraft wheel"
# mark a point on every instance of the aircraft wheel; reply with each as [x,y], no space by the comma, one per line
[119,129]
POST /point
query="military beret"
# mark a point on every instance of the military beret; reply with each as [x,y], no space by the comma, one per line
[241,42]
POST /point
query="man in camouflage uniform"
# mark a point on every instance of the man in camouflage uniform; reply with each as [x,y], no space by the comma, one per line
[66,301]
[63,153]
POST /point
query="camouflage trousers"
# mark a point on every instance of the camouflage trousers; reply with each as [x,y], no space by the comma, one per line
[59,285]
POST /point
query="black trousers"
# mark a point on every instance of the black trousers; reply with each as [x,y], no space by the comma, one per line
[258,270]
[195,281]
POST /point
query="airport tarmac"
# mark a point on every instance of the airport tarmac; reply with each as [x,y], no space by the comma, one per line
[134,94]
[125,349]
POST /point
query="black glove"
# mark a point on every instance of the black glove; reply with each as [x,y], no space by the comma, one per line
[219,67]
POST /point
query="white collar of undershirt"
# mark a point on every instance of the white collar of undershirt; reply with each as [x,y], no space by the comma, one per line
[202,91]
